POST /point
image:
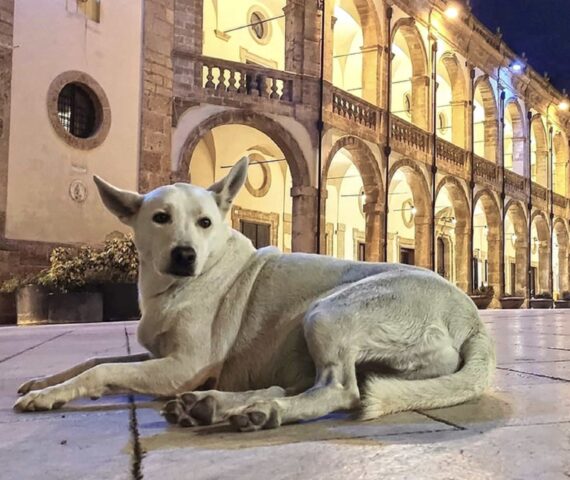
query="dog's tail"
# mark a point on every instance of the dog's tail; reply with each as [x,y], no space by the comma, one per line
[383,395]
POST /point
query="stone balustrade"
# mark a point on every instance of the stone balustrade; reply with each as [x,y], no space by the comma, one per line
[239,78]
[559,200]
[409,135]
[515,184]
[355,109]
[449,153]
[486,170]
[539,191]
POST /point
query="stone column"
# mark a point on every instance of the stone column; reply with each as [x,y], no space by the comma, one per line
[460,129]
[304,236]
[462,257]
[371,73]
[494,252]
[519,156]
[374,224]
[521,252]
[423,241]
[492,140]
[563,267]
[420,101]
[543,266]
[542,166]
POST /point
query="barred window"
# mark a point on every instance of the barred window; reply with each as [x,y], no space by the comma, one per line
[77,111]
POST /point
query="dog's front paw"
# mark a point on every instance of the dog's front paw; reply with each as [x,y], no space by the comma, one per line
[260,415]
[33,384]
[190,409]
[39,400]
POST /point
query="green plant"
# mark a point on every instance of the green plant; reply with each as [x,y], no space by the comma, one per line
[13,284]
[544,295]
[484,291]
[84,267]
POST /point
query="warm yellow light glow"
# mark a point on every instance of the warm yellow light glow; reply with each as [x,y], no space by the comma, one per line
[452,11]
[564,105]
[413,210]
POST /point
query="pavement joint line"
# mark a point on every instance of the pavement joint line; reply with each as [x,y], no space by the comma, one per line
[137,453]
[534,374]
[440,420]
[14,355]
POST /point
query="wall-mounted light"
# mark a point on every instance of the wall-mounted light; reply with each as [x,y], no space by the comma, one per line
[514,237]
[452,11]
[564,105]
[517,66]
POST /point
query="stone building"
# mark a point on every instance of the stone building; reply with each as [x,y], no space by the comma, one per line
[428,141]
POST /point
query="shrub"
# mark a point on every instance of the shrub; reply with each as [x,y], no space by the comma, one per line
[485,291]
[82,268]
[545,295]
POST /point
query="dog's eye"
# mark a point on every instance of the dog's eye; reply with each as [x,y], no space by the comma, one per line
[161,218]
[205,222]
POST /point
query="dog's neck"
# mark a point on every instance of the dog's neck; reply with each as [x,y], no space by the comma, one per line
[239,249]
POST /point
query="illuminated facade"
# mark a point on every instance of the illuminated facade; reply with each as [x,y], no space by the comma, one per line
[427,142]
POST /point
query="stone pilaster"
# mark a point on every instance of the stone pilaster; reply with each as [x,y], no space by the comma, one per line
[156,121]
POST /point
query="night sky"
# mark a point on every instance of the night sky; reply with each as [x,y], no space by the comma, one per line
[541,28]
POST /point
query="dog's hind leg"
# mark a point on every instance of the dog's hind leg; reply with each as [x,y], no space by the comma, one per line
[335,387]
[50,381]
[212,406]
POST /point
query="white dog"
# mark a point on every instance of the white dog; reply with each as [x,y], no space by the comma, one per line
[281,338]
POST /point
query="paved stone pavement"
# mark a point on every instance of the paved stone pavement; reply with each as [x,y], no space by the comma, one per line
[520,430]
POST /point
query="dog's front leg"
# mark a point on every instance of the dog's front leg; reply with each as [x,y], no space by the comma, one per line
[160,377]
[49,381]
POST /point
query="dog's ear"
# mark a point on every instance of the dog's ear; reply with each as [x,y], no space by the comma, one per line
[121,203]
[226,189]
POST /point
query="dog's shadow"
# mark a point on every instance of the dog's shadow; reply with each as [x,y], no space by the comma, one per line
[441,425]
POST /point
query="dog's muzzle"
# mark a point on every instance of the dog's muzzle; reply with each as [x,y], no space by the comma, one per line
[182,261]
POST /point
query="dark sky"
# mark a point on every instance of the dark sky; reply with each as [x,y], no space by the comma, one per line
[541,28]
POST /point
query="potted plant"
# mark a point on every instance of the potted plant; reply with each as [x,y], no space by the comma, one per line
[72,297]
[31,301]
[8,313]
[511,301]
[482,296]
[563,301]
[542,300]
[116,273]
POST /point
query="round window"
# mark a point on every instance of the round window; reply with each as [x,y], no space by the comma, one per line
[257,24]
[77,110]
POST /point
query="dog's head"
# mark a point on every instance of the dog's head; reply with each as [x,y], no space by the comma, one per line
[177,228]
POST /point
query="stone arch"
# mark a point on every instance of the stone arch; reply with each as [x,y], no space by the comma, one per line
[460,204]
[369,170]
[356,47]
[515,144]
[457,81]
[560,229]
[494,232]
[514,210]
[542,244]
[418,185]
[303,193]
[539,151]
[490,123]
[420,79]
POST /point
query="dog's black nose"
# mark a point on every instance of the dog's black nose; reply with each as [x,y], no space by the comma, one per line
[183,259]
